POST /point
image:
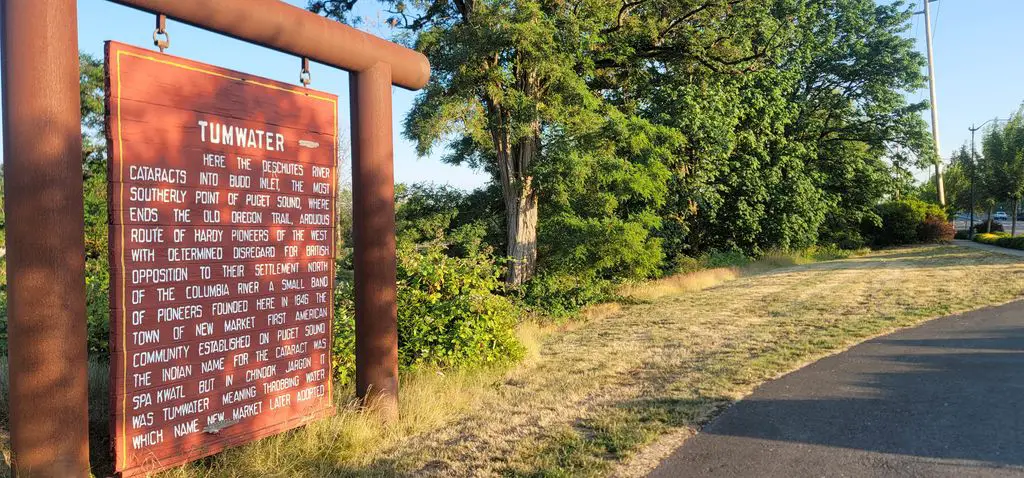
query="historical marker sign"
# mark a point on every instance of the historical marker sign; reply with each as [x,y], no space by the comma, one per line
[221,255]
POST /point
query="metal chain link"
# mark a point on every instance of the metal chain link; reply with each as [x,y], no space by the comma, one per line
[161,29]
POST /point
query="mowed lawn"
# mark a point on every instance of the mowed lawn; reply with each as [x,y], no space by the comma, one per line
[615,393]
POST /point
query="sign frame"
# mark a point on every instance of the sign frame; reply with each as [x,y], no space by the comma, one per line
[43,200]
[216,440]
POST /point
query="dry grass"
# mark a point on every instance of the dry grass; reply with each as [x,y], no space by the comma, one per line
[592,395]
[599,392]
[680,283]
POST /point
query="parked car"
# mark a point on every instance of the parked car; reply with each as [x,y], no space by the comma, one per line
[1000,216]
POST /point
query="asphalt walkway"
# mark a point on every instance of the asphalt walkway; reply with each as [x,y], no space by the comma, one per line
[945,399]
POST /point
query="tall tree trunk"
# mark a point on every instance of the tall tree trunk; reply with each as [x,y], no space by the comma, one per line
[1013,222]
[520,194]
[990,208]
[521,217]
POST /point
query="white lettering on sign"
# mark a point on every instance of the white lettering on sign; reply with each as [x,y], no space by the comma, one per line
[141,359]
[161,175]
[228,135]
[193,407]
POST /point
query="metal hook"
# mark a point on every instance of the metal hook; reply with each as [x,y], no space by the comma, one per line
[161,29]
[304,77]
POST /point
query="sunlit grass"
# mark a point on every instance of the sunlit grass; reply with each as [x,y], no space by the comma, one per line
[614,391]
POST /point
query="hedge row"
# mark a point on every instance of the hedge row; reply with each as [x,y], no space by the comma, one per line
[1001,239]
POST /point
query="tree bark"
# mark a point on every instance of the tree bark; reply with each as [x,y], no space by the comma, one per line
[521,216]
[520,195]
[1013,221]
[990,208]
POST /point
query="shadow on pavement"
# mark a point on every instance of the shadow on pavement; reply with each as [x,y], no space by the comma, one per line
[942,398]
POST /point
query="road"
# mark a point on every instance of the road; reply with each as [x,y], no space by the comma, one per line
[939,400]
[960,222]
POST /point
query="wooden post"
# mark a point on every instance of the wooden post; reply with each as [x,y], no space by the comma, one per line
[48,402]
[373,238]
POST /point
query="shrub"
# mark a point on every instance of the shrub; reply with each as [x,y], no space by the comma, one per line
[1011,242]
[450,312]
[561,295]
[343,345]
[731,258]
[683,264]
[1000,239]
[989,238]
[904,222]
[936,229]
[849,240]
[983,227]
[97,308]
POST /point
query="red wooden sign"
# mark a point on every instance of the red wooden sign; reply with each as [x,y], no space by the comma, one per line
[221,256]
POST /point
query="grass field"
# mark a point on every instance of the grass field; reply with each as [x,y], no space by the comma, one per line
[614,393]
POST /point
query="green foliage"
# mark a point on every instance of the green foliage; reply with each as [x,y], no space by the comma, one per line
[1000,239]
[800,148]
[733,258]
[562,295]
[957,182]
[449,311]
[603,196]
[343,341]
[670,129]
[451,307]
[988,227]
[92,82]
[910,221]
[1000,168]
[97,270]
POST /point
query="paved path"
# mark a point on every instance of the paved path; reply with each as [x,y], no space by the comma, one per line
[989,248]
[945,399]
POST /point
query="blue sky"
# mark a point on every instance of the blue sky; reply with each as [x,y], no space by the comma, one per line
[978,51]
[979,64]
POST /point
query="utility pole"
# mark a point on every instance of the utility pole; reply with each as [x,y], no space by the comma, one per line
[939,187]
[974,167]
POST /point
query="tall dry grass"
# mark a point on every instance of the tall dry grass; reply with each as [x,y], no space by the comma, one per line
[679,283]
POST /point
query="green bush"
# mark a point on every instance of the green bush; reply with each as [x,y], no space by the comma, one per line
[731,258]
[1001,239]
[450,312]
[983,226]
[97,270]
[343,341]
[562,295]
[849,240]
[97,308]
[909,221]
[989,237]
